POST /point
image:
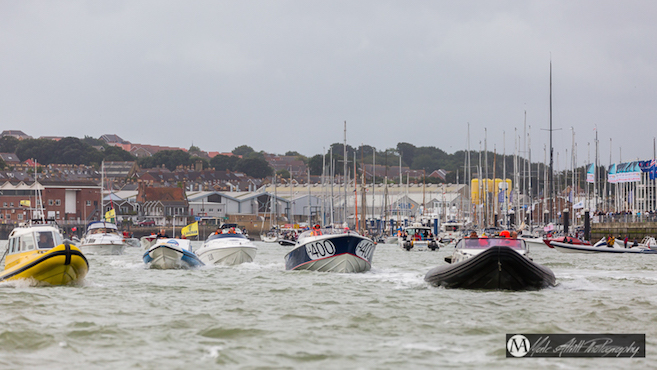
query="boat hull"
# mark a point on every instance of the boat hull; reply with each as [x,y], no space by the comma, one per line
[166,257]
[61,265]
[578,248]
[227,255]
[268,238]
[341,253]
[496,268]
[103,249]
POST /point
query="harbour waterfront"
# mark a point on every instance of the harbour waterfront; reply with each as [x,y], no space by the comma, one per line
[259,315]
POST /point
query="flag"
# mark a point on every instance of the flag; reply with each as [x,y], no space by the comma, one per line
[579,205]
[190,230]
[110,215]
[590,173]
[25,203]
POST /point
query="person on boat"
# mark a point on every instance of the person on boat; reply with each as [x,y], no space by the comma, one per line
[635,244]
[45,241]
[346,229]
[473,235]
[162,234]
[625,241]
[317,231]
[218,231]
[505,234]
[232,230]
[514,235]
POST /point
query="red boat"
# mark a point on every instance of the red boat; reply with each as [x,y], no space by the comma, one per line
[565,239]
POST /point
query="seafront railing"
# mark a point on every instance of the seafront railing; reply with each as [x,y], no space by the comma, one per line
[625,218]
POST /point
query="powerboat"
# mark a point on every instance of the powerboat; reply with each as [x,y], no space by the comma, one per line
[270,237]
[418,237]
[491,263]
[288,237]
[171,254]
[601,247]
[231,247]
[102,238]
[147,241]
[39,253]
[331,250]
[564,239]
[450,231]
[133,242]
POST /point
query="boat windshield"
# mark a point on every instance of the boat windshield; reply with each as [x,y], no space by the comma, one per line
[45,240]
[214,236]
[483,243]
[318,232]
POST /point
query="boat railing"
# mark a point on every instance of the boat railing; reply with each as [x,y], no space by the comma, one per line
[484,243]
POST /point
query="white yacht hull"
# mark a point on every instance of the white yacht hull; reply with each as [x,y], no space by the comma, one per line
[227,255]
[534,242]
[103,249]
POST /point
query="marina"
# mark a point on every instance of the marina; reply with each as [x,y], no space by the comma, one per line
[260,315]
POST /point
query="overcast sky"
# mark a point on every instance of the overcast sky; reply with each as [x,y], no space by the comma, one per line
[285,75]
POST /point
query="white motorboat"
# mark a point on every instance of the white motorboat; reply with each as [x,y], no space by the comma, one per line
[331,250]
[102,238]
[231,247]
[418,237]
[171,254]
[601,247]
[133,242]
[450,231]
[270,237]
[147,241]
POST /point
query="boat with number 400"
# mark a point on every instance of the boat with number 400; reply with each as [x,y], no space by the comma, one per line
[491,263]
[38,253]
[331,250]
[171,254]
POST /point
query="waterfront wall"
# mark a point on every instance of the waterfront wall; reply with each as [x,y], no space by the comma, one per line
[637,230]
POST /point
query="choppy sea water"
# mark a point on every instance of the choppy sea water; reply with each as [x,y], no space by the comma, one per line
[258,315]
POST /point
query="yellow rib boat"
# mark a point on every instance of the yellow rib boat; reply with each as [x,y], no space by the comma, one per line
[37,252]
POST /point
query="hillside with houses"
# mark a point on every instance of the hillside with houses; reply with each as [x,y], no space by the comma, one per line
[165,186]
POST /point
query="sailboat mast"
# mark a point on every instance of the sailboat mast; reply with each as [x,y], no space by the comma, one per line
[344,208]
[102,188]
[551,173]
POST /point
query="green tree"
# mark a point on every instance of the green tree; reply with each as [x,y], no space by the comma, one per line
[3,165]
[254,167]
[315,164]
[194,149]
[169,158]
[8,144]
[284,174]
[292,154]
[224,162]
[115,153]
[69,150]
[243,150]
[93,142]
[407,152]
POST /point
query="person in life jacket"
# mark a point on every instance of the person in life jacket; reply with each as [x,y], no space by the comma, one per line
[317,231]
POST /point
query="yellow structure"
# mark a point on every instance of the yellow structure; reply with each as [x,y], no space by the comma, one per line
[488,188]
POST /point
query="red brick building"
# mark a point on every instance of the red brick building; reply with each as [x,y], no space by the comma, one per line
[62,200]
